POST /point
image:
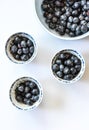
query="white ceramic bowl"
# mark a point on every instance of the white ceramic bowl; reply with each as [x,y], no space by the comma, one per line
[21,105]
[9,43]
[80,74]
[42,21]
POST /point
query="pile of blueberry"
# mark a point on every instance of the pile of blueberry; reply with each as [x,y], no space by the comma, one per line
[21,48]
[27,93]
[67,16]
[66,65]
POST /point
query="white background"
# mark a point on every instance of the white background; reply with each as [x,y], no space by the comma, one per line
[64,107]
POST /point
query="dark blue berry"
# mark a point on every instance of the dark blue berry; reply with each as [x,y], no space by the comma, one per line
[13,49]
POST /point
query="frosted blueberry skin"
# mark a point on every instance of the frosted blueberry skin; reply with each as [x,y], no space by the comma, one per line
[68,66]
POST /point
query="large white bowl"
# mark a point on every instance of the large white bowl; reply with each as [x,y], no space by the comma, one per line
[52,32]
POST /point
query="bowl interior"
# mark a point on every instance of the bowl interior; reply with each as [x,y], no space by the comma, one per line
[52,32]
[9,43]
[80,74]
[21,105]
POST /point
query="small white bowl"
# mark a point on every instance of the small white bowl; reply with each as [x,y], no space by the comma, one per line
[52,32]
[21,105]
[80,74]
[9,43]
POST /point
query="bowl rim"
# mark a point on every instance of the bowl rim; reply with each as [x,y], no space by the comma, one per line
[24,106]
[58,36]
[19,61]
[80,74]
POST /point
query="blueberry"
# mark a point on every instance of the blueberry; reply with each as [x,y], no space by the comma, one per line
[83,22]
[28,101]
[68,25]
[55,67]
[54,19]
[27,83]
[70,2]
[66,70]
[77,61]
[68,13]
[61,30]
[69,62]
[44,6]
[63,23]
[17,57]
[83,2]
[49,16]
[78,67]
[51,25]
[68,77]
[63,17]
[75,13]
[57,3]
[70,19]
[81,17]
[59,74]
[23,44]
[24,57]
[62,56]
[17,40]
[21,88]
[35,92]
[57,13]
[31,49]
[75,20]
[29,43]
[67,31]
[32,85]
[13,48]
[71,34]
[27,89]
[28,95]
[25,50]
[73,27]
[84,28]
[19,52]
[87,18]
[88,25]
[76,5]
[34,98]
[19,98]
[61,67]
[73,70]
[58,62]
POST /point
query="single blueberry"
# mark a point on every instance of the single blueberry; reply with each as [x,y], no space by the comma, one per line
[35,92]
[27,89]
[31,49]
[61,67]
[24,57]
[25,50]
[19,98]
[55,67]
[59,74]
[19,52]
[28,95]
[13,49]
[66,70]
[21,88]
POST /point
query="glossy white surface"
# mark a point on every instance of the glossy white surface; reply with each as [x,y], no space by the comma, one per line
[64,107]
